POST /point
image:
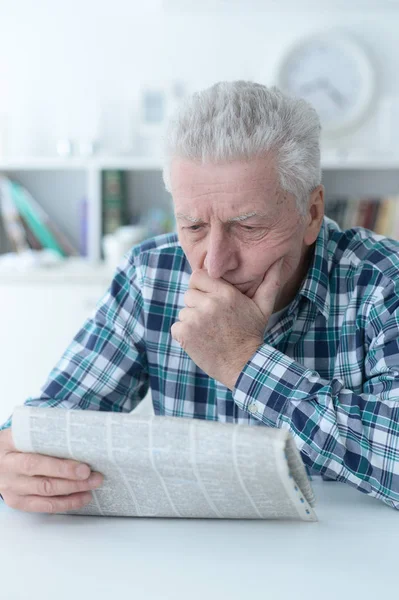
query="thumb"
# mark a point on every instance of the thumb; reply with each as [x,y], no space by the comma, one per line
[266,294]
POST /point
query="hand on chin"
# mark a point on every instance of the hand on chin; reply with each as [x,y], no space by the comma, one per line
[220,327]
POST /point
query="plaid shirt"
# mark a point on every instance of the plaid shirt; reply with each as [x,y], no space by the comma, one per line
[328,369]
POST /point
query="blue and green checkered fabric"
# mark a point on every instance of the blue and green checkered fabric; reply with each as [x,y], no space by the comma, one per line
[328,370]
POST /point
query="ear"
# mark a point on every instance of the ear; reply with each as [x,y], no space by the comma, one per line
[314,216]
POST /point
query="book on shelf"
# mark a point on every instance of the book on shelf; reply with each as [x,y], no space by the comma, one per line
[379,214]
[5,244]
[25,218]
[11,219]
[113,200]
[30,236]
[84,227]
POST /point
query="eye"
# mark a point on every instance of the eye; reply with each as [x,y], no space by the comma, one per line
[248,228]
[194,227]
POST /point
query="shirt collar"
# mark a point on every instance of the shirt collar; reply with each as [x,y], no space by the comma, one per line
[315,287]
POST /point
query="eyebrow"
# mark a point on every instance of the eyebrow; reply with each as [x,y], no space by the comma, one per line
[239,218]
[188,218]
[243,217]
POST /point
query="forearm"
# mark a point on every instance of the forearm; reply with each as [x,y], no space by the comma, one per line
[343,435]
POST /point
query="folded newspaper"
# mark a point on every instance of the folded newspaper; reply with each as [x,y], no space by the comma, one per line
[157,466]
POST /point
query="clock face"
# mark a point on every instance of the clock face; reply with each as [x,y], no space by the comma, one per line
[335,76]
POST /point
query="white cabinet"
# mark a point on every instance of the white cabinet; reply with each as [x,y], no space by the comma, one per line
[39,315]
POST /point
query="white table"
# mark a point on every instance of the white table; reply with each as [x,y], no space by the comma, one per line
[351,553]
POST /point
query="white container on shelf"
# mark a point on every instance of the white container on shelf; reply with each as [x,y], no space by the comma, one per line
[116,245]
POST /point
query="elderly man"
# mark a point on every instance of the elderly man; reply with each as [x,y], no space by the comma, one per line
[260,310]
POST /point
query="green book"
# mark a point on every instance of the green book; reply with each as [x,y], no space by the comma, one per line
[113,200]
[11,219]
[35,218]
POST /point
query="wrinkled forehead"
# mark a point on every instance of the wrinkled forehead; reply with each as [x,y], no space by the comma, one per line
[238,186]
[235,176]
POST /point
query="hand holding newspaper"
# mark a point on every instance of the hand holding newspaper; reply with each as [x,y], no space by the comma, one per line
[157,466]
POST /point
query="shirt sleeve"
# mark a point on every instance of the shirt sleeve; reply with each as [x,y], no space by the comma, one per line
[105,366]
[345,436]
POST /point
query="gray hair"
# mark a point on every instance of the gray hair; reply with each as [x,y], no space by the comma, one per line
[241,120]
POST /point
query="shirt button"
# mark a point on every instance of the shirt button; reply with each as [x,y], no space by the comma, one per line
[253,408]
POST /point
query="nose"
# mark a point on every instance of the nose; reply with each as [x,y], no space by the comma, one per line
[221,255]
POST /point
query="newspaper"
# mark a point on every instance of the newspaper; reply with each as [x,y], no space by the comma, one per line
[156,466]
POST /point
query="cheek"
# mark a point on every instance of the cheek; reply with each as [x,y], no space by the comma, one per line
[194,254]
[257,260]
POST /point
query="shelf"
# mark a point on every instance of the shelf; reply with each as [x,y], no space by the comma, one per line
[76,163]
[360,162]
[79,270]
[141,163]
[43,164]
[60,184]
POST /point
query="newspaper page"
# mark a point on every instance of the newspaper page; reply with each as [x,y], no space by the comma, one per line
[158,466]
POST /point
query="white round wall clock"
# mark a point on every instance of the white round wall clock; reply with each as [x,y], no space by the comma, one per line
[334,73]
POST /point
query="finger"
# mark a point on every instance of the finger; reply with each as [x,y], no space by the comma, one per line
[266,294]
[25,463]
[193,298]
[186,314]
[48,486]
[177,333]
[175,330]
[182,314]
[49,505]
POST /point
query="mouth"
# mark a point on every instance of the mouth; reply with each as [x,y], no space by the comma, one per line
[248,288]
[241,285]
[238,284]
[244,287]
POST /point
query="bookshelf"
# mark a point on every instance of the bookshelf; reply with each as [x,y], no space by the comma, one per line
[59,185]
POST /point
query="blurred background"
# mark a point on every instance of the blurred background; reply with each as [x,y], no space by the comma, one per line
[86,89]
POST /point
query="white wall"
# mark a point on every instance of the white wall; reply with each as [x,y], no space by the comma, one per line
[64,64]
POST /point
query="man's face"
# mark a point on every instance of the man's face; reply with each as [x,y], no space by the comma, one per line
[235,222]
